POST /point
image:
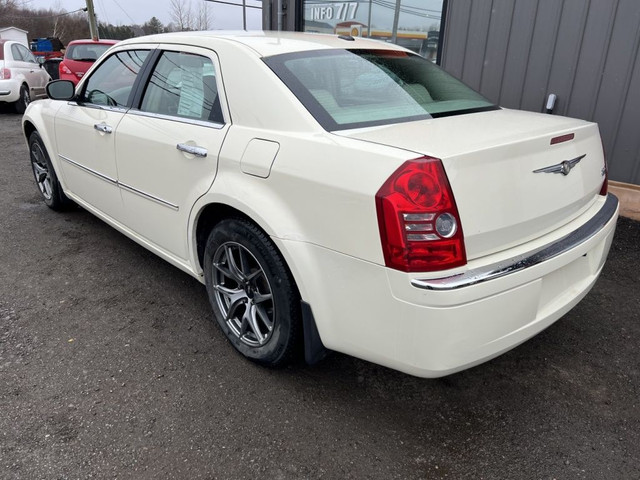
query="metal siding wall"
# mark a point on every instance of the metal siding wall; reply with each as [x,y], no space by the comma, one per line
[587,52]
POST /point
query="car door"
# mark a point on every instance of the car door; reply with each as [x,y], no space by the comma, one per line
[18,65]
[85,131]
[167,149]
[36,76]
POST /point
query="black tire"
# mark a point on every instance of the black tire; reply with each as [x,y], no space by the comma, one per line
[45,176]
[25,99]
[265,330]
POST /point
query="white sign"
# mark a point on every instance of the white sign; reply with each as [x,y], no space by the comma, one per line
[335,11]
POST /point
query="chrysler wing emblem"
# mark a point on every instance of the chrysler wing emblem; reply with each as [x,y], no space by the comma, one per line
[563,167]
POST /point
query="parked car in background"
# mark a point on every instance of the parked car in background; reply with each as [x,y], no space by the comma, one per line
[49,51]
[21,76]
[333,192]
[79,56]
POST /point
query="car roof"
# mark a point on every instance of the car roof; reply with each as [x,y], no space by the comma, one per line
[90,41]
[267,43]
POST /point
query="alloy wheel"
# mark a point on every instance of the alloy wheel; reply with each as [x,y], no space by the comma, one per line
[41,171]
[26,98]
[243,294]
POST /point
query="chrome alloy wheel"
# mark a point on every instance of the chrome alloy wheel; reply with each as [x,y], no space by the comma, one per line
[41,170]
[243,294]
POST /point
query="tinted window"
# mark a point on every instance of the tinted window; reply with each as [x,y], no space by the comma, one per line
[87,52]
[359,88]
[111,83]
[183,85]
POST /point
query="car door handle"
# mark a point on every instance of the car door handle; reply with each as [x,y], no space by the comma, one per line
[192,149]
[103,127]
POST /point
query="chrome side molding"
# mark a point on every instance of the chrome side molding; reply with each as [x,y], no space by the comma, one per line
[528,260]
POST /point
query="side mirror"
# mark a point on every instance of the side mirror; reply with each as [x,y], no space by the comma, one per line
[40,61]
[61,90]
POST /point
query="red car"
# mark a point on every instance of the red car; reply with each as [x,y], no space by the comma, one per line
[80,55]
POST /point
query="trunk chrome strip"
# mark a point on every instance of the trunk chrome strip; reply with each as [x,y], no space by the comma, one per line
[531,259]
[120,184]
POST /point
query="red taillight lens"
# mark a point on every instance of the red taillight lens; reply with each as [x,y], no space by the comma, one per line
[64,69]
[5,74]
[605,185]
[418,219]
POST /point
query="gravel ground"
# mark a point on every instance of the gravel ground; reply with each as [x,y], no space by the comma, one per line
[111,367]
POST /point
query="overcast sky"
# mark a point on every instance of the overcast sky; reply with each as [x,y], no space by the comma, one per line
[127,12]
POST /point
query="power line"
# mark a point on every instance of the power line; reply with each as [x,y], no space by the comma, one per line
[104,10]
[45,16]
[133,22]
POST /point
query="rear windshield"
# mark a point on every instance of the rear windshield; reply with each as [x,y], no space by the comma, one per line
[359,88]
[87,52]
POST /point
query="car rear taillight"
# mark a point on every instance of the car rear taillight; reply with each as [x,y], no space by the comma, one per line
[605,185]
[64,69]
[419,222]
[5,74]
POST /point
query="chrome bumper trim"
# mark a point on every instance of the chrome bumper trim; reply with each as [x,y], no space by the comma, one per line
[528,260]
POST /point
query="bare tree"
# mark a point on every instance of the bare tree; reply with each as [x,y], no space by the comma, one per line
[203,17]
[181,14]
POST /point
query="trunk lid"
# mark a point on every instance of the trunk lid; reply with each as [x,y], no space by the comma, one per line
[490,159]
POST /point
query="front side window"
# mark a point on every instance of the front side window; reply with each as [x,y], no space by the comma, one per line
[111,83]
[359,88]
[27,56]
[183,85]
[16,54]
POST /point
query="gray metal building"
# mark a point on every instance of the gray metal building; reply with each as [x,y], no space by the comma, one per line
[517,52]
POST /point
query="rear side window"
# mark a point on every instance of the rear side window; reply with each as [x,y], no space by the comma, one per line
[183,85]
[358,88]
[111,83]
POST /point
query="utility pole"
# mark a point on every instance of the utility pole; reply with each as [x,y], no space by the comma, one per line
[244,14]
[396,16]
[93,26]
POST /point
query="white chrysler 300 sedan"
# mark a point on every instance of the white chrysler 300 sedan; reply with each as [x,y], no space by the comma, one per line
[333,193]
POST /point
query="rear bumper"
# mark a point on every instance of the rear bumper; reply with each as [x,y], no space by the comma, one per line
[9,90]
[380,315]
[528,260]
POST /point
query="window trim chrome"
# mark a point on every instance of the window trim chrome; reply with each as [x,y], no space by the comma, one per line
[528,260]
[95,106]
[172,118]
